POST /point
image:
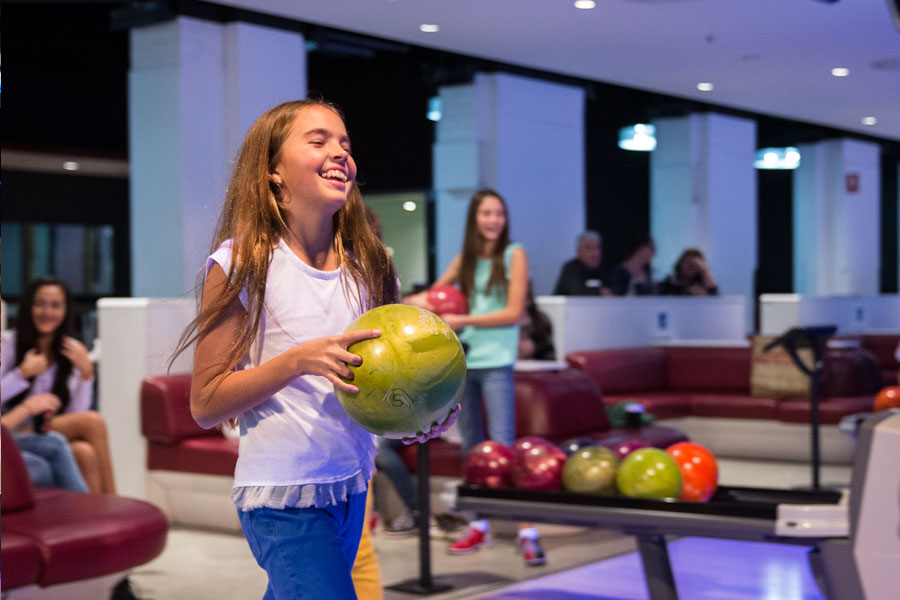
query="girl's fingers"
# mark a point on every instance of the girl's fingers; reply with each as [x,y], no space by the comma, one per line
[355,336]
[339,383]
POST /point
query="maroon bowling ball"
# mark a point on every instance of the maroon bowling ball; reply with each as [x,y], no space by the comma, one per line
[488,464]
[572,446]
[626,446]
[447,300]
[537,464]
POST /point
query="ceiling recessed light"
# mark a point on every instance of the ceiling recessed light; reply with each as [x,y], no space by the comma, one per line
[71,165]
[869,120]
[409,206]
[429,28]
[585,4]
[840,71]
[705,86]
[777,158]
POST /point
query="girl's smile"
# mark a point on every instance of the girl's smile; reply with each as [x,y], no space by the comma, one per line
[49,309]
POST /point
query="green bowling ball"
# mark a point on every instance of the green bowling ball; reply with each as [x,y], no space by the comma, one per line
[591,470]
[411,376]
[649,473]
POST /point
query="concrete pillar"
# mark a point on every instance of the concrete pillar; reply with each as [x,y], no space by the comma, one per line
[703,194]
[837,191]
[193,90]
[525,138]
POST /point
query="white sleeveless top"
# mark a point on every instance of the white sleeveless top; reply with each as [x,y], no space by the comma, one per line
[299,448]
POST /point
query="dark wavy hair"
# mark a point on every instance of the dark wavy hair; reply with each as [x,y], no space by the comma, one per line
[27,338]
[473,244]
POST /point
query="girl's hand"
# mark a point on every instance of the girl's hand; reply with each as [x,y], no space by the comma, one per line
[436,430]
[41,404]
[76,352]
[420,300]
[328,357]
[34,363]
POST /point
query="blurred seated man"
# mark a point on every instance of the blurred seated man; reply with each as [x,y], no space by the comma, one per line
[581,275]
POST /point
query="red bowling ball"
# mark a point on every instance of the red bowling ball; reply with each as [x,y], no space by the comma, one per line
[447,300]
[488,464]
[699,471]
[537,464]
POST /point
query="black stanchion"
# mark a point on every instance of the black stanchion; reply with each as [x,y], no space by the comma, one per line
[424,584]
[813,337]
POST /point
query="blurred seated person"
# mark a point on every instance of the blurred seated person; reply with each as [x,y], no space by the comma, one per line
[535,332]
[47,456]
[581,275]
[41,358]
[691,277]
[632,276]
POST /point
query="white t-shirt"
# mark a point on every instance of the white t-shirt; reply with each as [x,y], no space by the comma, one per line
[299,447]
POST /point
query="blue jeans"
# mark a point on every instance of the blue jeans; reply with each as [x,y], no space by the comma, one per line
[50,462]
[307,552]
[493,392]
[389,462]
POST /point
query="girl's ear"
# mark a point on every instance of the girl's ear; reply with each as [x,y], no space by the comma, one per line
[276,179]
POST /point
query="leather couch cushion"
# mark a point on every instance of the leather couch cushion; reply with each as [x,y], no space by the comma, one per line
[624,369]
[88,535]
[831,410]
[166,410]
[20,558]
[18,493]
[735,406]
[661,404]
[210,455]
[720,369]
[445,458]
[850,372]
[558,404]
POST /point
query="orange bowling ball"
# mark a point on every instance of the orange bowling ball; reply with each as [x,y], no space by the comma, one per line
[887,398]
[699,471]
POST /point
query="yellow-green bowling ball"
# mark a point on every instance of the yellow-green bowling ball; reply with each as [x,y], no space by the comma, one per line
[411,376]
[591,470]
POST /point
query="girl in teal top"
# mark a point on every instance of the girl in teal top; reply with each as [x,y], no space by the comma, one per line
[492,273]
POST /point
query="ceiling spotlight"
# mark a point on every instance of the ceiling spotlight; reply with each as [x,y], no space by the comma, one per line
[869,120]
[429,28]
[777,158]
[705,86]
[585,4]
[640,137]
[409,206]
[840,71]
[71,165]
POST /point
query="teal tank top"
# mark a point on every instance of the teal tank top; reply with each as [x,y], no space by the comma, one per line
[490,347]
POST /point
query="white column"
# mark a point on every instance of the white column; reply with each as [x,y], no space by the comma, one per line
[836,219]
[525,138]
[703,194]
[194,88]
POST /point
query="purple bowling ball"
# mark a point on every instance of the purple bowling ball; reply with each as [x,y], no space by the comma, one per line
[572,446]
[626,446]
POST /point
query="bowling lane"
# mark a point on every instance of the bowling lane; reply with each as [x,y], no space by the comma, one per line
[705,569]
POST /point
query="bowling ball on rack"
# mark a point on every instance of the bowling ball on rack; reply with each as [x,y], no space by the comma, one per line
[537,464]
[591,470]
[447,300]
[626,446]
[488,464]
[699,471]
[575,444]
[411,376]
[649,473]
[887,398]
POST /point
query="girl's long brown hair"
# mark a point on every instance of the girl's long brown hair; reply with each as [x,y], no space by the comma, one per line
[254,218]
[473,244]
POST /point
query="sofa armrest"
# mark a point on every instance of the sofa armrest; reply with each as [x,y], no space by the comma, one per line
[558,404]
[166,410]
[623,370]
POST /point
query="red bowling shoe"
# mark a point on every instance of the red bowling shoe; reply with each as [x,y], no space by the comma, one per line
[474,539]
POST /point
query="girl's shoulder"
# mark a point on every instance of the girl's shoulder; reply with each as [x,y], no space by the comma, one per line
[8,336]
[511,248]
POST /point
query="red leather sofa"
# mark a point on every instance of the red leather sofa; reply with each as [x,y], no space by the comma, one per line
[52,536]
[883,347]
[557,405]
[715,382]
